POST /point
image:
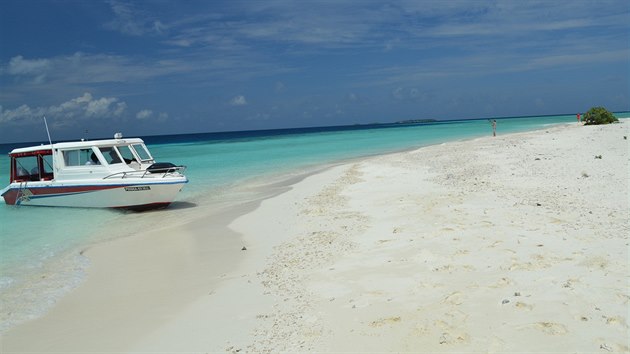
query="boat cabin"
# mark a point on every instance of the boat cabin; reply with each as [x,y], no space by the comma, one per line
[34,165]
[79,160]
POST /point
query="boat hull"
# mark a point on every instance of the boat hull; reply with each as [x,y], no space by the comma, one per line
[136,195]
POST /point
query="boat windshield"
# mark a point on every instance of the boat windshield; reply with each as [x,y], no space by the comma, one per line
[142,152]
[126,153]
[111,155]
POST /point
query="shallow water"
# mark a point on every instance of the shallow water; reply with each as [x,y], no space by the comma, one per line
[39,258]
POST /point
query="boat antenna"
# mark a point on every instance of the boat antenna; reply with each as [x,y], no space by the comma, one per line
[47,131]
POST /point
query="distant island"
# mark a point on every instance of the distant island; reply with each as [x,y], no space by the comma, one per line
[416,121]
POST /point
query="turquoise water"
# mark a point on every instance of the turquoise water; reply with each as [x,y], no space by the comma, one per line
[39,258]
[212,164]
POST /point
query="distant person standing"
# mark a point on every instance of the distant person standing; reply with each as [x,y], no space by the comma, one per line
[494,127]
[579,117]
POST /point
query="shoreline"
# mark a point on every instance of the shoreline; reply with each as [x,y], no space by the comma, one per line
[200,243]
[300,283]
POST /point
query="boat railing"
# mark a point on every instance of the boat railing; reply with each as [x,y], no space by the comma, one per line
[173,171]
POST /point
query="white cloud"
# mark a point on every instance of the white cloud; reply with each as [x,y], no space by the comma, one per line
[238,101]
[20,66]
[85,68]
[147,113]
[103,106]
[124,21]
[159,27]
[34,70]
[132,21]
[15,115]
[79,108]
[144,114]
[409,94]
[120,109]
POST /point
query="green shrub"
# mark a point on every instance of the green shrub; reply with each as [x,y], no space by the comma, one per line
[599,115]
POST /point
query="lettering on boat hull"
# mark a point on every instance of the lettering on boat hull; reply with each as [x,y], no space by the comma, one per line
[136,189]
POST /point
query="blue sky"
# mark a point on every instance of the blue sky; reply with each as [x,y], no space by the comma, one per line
[163,67]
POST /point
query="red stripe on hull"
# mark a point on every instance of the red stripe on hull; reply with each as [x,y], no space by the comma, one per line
[66,190]
[10,197]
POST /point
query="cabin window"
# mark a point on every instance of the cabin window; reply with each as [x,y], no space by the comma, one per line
[111,155]
[78,157]
[32,168]
[26,167]
[126,153]
[141,150]
[47,164]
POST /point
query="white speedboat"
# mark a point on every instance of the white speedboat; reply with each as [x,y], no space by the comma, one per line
[114,173]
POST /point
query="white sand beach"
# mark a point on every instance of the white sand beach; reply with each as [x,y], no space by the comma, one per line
[512,244]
